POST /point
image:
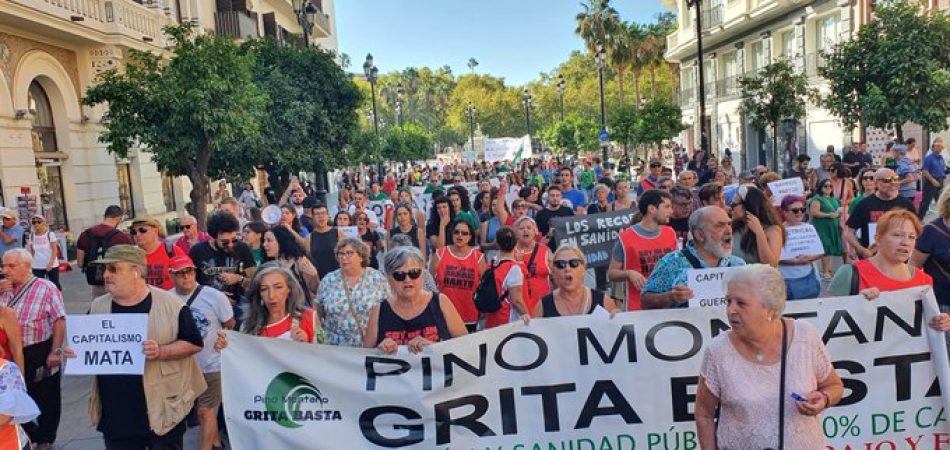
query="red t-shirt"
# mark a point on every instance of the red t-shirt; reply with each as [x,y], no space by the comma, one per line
[872,277]
[157,274]
[457,279]
[281,329]
[641,254]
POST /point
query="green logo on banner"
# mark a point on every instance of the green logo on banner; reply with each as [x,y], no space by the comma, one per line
[285,395]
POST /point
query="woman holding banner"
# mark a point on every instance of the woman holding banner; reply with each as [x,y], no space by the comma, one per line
[572,298]
[411,316]
[801,278]
[457,268]
[757,229]
[348,294]
[741,366]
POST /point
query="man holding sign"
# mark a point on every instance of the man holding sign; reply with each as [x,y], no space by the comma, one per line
[139,411]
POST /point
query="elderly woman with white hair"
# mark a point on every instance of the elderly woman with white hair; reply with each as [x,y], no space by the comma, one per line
[411,316]
[741,366]
[599,203]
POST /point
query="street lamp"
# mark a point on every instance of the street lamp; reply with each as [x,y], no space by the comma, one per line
[371,73]
[526,100]
[560,92]
[470,112]
[703,132]
[306,16]
[601,58]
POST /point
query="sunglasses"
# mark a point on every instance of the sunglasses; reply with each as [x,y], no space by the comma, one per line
[891,179]
[797,210]
[135,231]
[413,274]
[563,263]
[461,233]
[871,177]
[227,242]
[36,221]
[655,165]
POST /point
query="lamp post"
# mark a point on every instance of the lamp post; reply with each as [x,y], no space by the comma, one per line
[526,100]
[601,58]
[703,132]
[371,72]
[560,92]
[470,112]
[306,17]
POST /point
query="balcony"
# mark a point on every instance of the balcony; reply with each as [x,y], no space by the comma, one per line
[727,87]
[321,28]
[712,17]
[236,24]
[687,96]
[124,18]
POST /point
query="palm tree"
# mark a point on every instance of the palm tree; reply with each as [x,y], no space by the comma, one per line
[666,24]
[596,23]
[472,63]
[635,36]
[344,61]
[619,58]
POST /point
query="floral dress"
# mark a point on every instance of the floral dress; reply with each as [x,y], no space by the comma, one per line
[15,402]
[340,320]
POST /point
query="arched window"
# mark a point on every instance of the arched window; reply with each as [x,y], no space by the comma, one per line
[44,131]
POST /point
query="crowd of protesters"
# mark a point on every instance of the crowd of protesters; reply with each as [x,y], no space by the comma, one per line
[351,276]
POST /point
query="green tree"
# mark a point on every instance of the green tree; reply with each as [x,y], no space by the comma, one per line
[472,64]
[625,125]
[659,119]
[896,70]
[573,135]
[775,95]
[407,142]
[311,112]
[596,23]
[190,112]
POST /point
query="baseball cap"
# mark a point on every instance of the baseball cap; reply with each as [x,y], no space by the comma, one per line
[123,253]
[8,213]
[180,263]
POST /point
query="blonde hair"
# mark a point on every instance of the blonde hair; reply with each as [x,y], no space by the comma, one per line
[570,248]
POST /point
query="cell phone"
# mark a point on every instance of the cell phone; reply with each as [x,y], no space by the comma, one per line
[797,396]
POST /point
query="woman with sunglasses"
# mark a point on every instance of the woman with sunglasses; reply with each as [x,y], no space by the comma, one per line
[44,246]
[756,227]
[825,211]
[276,310]
[280,246]
[572,298]
[457,268]
[407,226]
[866,187]
[411,315]
[347,294]
[798,270]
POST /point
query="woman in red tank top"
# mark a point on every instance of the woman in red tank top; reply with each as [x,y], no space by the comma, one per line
[457,268]
[537,260]
[10,340]
[888,269]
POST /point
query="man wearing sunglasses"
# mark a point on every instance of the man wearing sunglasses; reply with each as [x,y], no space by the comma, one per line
[149,235]
[224,262]
[93,243]
[870,208]
[651,181]
[190,234]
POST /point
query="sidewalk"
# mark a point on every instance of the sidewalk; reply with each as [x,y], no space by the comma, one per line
[75,430]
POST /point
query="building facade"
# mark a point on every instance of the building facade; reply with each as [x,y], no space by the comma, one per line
[51,52]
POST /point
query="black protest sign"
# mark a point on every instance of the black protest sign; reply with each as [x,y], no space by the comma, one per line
[595,234]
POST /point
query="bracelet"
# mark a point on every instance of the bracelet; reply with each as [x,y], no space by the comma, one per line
[827,398]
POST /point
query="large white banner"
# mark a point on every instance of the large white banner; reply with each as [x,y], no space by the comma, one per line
[507,148]
[579,382]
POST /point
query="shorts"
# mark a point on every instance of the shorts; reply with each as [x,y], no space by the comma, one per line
[211,397]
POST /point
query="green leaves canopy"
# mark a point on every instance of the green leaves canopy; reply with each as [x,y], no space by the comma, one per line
[776,94]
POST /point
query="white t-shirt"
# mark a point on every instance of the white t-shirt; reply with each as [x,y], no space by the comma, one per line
[210,309]
[43,249]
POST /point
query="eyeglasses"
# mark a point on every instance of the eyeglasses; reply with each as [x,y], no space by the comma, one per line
[869,177]
[227,242]
[826,186]
[345,254]
[797,210]
[141,230]
[413,274]
[187,227]
[461,233]
[655,165]
[563,263]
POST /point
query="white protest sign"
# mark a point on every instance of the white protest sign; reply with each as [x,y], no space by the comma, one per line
[106,344]
[801,240]
[708,285]
[350,232]
[872,233]
[788,186]
[554,383]
[379,207]
[507,148]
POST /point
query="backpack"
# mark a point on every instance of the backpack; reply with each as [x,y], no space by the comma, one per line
[97,249]
[487,297]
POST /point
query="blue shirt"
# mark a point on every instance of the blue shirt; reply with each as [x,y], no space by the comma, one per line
[576,198]
[671,269]
[17,232]
[904,167]
[935,164]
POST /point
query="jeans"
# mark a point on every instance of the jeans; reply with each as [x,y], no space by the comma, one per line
[804,287]
[45,392]
[52,275]
[930,193]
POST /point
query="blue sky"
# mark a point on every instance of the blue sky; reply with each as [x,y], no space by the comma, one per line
[514,39]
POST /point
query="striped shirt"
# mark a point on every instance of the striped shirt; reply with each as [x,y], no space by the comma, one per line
[37,310]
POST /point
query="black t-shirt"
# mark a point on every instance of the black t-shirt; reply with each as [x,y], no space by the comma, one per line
[323,251]
[124,411]
[370,239]
[869,209]
[210,262]
[862,160]
[543,217]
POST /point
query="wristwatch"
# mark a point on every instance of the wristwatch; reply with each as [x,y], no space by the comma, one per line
[58,351]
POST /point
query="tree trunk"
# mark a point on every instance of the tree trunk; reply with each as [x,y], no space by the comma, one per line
[620,85]
[899,133]
[199,198]
[674,81]
[636,87]
[774,164]
[652,82]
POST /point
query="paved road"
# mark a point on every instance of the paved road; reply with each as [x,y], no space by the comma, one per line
[75,431]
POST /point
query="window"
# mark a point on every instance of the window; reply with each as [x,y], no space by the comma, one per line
[44,130]
[788,44]
[124,176]
[52,201]
[757,56]
[827,32]
[730,66]
[168,192]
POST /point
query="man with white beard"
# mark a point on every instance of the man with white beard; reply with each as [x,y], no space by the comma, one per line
[711,246]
